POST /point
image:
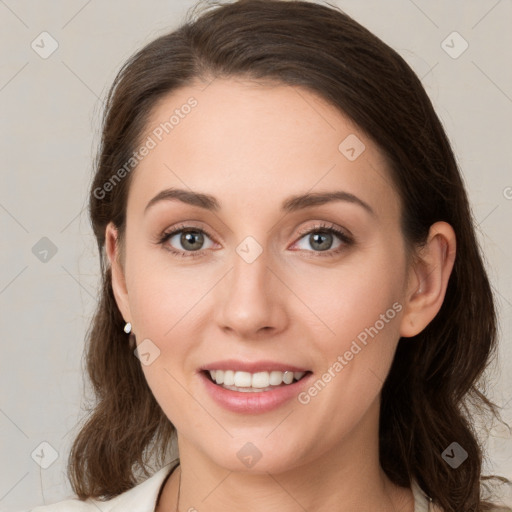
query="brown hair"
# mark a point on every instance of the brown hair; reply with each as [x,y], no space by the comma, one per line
[436,379]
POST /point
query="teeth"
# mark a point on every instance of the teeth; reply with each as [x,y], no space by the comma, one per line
[229,377]
[275,378]
[259,380]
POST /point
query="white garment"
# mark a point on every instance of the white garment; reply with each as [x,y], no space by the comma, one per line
[142,498]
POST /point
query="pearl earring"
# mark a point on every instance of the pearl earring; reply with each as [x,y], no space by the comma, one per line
[128,328]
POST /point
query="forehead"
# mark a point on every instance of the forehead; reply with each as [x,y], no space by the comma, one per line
[245,141]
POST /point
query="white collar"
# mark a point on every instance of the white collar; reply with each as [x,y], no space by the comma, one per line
[142,497]
[421,500]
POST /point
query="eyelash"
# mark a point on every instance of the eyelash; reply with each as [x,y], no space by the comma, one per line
[320,228]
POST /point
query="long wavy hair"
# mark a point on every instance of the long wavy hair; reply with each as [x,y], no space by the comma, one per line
[436,381]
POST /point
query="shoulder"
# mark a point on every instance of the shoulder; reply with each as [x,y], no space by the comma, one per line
[141,498]
[422,502]
[72,505]
[502,508]
[506,508]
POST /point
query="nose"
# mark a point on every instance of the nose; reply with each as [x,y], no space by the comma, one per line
[251,301]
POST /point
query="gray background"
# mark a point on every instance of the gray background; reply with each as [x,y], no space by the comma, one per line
[50,112]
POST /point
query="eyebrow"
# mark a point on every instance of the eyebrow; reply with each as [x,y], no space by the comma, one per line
[291,204]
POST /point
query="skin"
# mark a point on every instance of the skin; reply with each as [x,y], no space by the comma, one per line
[252,145]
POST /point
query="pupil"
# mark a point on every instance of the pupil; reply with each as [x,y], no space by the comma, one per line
[324,235]
[188,237]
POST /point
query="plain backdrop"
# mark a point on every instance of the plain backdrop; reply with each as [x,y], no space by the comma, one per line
[50,116]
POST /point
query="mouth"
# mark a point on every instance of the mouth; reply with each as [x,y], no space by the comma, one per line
[257,382]
[253,393]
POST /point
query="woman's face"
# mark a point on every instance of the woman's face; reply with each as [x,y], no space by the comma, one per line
[253,288]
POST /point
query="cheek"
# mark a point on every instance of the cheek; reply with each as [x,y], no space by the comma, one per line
[164,298]
[360,308]
[352,298]
[166,306]
[163,332]
[356,352]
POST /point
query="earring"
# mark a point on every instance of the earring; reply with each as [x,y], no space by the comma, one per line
[128,328]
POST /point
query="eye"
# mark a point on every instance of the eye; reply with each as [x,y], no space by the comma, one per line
[189,238]
[321,237]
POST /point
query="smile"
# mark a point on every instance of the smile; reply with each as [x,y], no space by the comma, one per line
[253,393]
[253,382]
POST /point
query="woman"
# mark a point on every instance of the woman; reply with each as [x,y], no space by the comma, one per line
[288,250]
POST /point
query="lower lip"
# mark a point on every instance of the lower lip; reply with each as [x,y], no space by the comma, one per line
[253,402]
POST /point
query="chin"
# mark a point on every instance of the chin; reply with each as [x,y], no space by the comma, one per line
[258,456]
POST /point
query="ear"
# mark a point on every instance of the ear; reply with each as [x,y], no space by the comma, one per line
[118,277]
[428,279]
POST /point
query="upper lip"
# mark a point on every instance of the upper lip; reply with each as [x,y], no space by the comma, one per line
[252,367]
